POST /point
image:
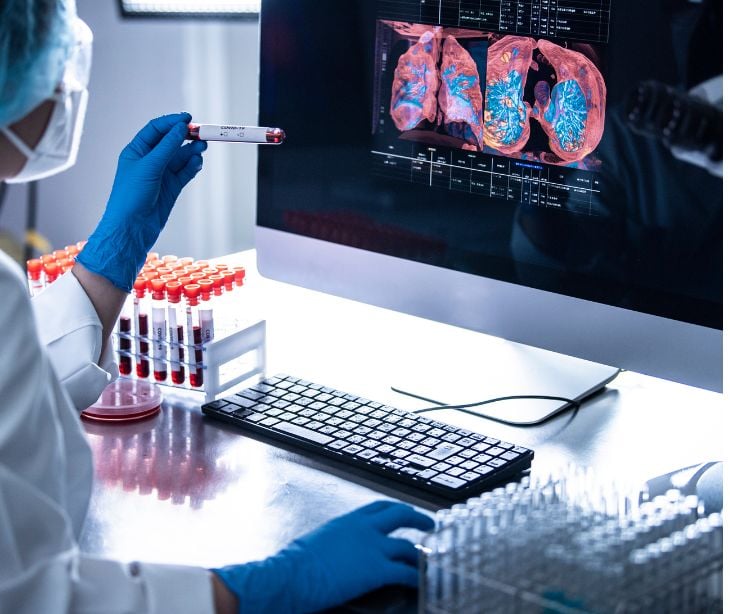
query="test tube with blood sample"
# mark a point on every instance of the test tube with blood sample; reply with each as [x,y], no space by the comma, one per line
[142,328]
[159,330]
[174,319]
[195,337]
[207,327]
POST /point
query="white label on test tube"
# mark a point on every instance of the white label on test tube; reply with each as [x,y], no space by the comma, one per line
[206,324]
[243,134]
[159,334]
[174,345]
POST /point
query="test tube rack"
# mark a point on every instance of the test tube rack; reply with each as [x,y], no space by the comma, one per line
[223,363]
[563,545]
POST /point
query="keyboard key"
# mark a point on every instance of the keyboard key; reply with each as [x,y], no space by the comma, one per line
[435,432]
[229,408]
[519,450]
[441,467]
[469,465]
[351,405]
[467,442]
[448,481]
[253,395]
[444,450]
[356,439]
[415,437]
[307,413]
[328,430]
[421,428]
[301,420]
[371,443]
[470,476]
[422,461]
[401,432]
[421,449]
[451,437]
[385,449]
[352,449]
[392,439]
[509,456]
[407,445]
[400,453]
[427,474]
[484,469]
[314,425]
[256,417]
[317,405]
[269,422]
[299,431]
[287,416]
[323,396]
[377,435]
[455,471]
[362,430]
[468,453]
[497,462]
[431,442]
[367,454]
[342,434]
[334,421]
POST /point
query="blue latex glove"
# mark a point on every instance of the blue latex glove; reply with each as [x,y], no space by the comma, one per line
[343,559]
[152,171]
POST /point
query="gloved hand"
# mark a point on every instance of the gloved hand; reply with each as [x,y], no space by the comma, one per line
[152,171]
[343,559]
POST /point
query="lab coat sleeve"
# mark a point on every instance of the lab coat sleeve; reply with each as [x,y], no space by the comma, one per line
[42,571]
[70,329]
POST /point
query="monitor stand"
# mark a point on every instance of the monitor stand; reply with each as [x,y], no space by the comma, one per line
[456,367]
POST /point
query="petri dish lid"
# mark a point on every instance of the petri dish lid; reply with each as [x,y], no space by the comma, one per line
[125,400]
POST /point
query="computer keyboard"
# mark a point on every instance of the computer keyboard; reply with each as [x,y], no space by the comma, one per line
[433,457]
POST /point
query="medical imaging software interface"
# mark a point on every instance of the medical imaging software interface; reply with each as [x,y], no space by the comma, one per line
[490,136]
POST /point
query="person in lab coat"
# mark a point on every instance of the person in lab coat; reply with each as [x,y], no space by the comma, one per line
[57,359]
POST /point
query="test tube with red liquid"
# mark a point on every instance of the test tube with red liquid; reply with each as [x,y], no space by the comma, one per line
[177,351]
[207,326]
[35,272]
[142,325]
[195,337]
[159,330]
[125,345]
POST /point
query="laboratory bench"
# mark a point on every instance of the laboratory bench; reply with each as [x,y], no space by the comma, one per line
[181,488]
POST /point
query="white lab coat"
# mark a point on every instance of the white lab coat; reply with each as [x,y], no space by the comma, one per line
[49,372]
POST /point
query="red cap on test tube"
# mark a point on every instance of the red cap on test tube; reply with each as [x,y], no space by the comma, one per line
[140,287]
[65,264]
[218,283]
[81,245]
[197,276]
[59,254]
[186,261]
[240,273]
[192,292]
[46,258]
[206,289]
[202,264]
[168,259]
[71,251]
[221,266]
[35,268]
[51,270]
[152,256]
[174,291]
[185,280]
[158,289]
[230,279]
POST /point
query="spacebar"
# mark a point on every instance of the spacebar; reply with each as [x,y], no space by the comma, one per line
[299,431]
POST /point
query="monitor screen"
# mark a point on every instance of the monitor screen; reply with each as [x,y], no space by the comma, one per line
[490,137]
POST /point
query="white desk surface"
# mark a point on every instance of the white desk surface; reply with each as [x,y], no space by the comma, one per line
[181,489]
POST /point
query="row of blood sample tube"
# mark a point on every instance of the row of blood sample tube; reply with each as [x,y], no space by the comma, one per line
[173,305]
[46,269]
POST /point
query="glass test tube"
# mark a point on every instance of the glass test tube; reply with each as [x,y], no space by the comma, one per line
[207,326]
[195,337]
[35,272]
[125,344]
[177,350]
[159,330]
[142,329]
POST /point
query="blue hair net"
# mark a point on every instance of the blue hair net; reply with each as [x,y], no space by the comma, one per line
[36,38]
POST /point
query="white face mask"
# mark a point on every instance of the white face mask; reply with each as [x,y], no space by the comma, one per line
[59,145]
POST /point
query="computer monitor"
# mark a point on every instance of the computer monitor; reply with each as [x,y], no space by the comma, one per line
[472,162]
